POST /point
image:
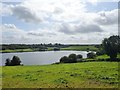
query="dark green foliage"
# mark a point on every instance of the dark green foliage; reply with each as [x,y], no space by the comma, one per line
[87,49]
[64,59]
[100,52]
[15,61]
[91,55]
[73,58]
[31,46]
[56,49]
[79,56]
[8,62]
[111,46]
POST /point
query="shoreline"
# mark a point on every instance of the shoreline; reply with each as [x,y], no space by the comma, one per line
[44,51]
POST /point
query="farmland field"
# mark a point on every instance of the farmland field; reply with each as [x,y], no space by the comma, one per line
[16,50]
[80,48]
[75,75]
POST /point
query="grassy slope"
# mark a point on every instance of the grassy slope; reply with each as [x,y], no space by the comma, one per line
[0,77]
[80,48]
[77,75]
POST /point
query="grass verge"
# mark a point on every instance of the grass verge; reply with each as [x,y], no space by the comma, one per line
[74,75]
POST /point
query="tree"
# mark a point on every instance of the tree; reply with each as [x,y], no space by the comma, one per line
[15,61]
[111,46]
[64,59]
[91,55]
[79,56]
[8,62]
[73,58]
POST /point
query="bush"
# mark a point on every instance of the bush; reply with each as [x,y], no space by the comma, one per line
[101,59]
[72,58]
[15,61]
[79,56]
[64,59]
[91,55]
[8,62]
[100,52]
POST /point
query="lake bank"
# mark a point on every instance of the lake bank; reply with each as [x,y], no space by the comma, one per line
[73,48]
[74,75]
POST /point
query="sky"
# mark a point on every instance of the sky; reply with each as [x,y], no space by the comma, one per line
[58,21]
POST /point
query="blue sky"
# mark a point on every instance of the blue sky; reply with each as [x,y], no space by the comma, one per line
[58,21]
[105,6]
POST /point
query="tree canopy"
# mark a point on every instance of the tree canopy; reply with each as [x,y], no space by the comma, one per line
[15,61]
[111,46]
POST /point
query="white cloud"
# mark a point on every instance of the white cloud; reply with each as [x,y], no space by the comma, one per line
[79,29]
[64,21]
[107,17]
[25,14]
[36,11]
[12,34]
[5,9]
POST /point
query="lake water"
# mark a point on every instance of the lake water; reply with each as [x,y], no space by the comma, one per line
[40,58]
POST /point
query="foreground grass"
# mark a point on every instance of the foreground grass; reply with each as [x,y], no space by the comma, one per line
[80,48]
[0,77]
[76,75]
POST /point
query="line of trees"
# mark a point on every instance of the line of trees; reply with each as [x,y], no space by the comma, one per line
[32,46]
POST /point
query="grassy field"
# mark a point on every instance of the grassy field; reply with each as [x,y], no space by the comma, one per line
[75,75]
[16,50]
[80,48]
[0,77]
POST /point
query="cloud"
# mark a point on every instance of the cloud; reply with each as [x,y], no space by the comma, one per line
[12,34]
[107,17]
[63,21]
[82,28]
[58,10]
[9,26]
[91,28]
[25,14]
[40,10]
[34,34]
[66,29]
[5,9]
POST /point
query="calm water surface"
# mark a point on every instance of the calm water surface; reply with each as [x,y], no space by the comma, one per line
[40,58]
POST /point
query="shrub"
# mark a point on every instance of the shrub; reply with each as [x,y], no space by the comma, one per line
[102,59]
[15,61]
[8,62]
[64,59]
[72,58]
[100,52]
[79,56]
[91,55]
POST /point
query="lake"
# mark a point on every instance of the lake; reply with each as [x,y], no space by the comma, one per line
[40,58]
